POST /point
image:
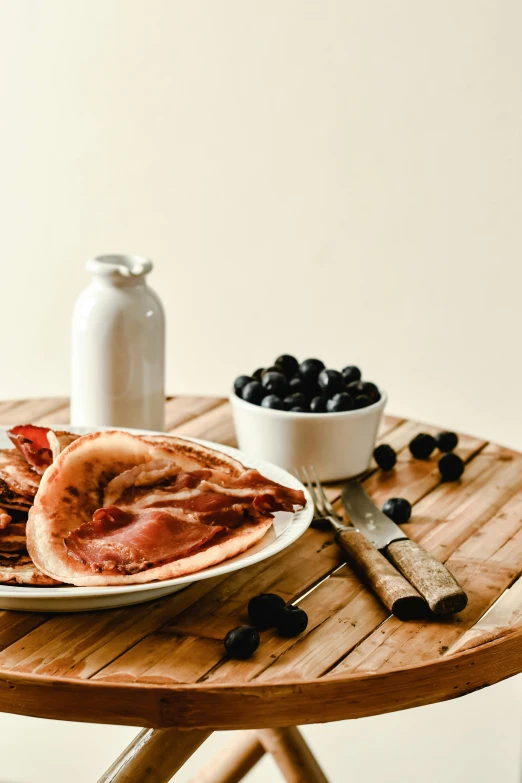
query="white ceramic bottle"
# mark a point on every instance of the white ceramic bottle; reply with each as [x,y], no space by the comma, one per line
[118,347]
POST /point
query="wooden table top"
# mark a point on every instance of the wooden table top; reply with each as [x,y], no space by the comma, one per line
[162,664]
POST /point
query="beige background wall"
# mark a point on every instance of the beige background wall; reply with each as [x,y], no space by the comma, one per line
[335,178]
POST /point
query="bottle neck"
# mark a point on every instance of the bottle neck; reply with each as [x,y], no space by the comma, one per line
[121,271]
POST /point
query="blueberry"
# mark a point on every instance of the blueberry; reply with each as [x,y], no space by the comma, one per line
[298,409]
[355,388]
[287,364]
[253,392]
[296,384]
[371,391]
[240,382]
[274,402]
[311,368]
[264,609]
[241,642]
[258,373]
[351,374]
[422,445]
[292,621]
[318,404]
[275,383]
[385,457]
[398,509]
[311,390]
[270,369]
[451,467]
[339,402]
[331,382]
[446,441]
[296,400]
[362,401]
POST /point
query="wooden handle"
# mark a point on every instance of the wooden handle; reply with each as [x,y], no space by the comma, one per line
[394,591]
[433,580]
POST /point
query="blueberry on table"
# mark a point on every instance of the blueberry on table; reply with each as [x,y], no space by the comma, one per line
[258,373]
[318,404]
[264,610]
[371,391]
[385,457]
[253,392]
[339,403]
[422,445]
[287,364]
[240,382]
[451,467]
[292,621]
[331,382]
[351,374]
[296,400]
[311,368]
[398,510]
[362,401]
[446,441]
[274,402]
[241,642]
[275,383]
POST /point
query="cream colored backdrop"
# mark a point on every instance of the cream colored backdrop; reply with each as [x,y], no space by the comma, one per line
[336,178]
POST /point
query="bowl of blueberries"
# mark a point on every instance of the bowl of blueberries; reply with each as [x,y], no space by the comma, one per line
[298,414]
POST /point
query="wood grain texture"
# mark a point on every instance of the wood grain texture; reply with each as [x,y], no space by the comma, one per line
[431,578]
[163,664]
[395,592]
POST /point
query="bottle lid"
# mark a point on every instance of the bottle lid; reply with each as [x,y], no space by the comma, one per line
[124,265]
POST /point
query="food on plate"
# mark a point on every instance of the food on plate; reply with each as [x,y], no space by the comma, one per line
[385,456]
[398,510]
[21,470]
[446,441]
[292,621]
[264,609]
[422,445]
[241,642]
[309,387]
[451,467]
[116,508]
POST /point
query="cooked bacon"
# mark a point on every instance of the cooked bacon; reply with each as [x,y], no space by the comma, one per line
[5,519]
[127,542]
[32,442]
[12,537]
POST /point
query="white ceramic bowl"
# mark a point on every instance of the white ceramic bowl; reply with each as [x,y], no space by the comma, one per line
[338,445]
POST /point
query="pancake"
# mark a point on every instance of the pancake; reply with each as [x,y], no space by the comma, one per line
[116,508]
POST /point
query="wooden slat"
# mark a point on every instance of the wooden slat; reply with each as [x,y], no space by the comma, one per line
[32,411]
[179,410]
[214,425]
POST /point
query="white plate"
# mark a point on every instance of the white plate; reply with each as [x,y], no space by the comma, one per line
[285,530]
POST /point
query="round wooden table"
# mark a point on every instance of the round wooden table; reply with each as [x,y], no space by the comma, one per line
[162,664]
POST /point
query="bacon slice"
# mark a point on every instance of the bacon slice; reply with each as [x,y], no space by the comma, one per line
[118,540]
[5,519]
[32,442]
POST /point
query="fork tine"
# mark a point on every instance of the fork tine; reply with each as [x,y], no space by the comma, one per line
[319,508]
[304,479]
[328,508]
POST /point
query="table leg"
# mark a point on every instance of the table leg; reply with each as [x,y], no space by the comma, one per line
[292,755]
[155,755]
[233,761]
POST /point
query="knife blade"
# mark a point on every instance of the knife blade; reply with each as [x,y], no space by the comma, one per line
[432,579]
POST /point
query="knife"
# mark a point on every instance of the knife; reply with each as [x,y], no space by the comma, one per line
[434,582]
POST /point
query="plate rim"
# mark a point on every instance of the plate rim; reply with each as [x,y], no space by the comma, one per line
[289,535]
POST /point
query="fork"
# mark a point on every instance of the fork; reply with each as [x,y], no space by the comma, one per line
[395,592]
